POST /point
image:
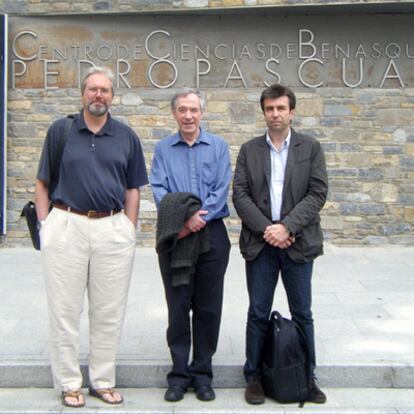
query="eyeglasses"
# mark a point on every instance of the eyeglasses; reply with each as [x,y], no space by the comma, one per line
[94,90]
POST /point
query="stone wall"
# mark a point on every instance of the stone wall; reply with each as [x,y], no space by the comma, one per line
[47,7]
[368,137]
[367,133]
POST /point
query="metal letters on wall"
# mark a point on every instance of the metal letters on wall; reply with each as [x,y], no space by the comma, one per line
[211,51]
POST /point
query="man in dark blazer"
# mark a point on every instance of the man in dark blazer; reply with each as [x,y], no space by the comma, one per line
[280,186]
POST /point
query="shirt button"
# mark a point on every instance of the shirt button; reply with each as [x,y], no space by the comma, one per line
[93,145]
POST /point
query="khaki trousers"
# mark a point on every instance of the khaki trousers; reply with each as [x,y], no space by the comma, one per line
[81,255]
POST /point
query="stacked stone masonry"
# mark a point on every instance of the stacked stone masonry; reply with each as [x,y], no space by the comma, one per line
[368,137]
[56,7]
[367,133]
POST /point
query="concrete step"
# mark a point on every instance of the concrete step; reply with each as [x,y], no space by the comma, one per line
[138,373]
[150,401]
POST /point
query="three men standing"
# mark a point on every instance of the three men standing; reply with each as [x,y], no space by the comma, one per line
[88,238]
[194,163]
[280,186]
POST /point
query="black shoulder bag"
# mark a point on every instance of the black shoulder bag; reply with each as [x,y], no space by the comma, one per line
[29,210]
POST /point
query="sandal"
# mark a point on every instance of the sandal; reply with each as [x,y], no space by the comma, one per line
[101,392]
[73,394]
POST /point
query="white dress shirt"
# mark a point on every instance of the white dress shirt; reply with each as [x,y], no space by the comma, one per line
[278,160]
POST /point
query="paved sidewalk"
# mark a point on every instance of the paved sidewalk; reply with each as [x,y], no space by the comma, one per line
[228,401]
[363,311]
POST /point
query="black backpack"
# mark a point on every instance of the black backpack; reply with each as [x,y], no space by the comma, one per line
[285,361]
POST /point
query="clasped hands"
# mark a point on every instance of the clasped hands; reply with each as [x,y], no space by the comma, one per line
[277,235]
[193,224]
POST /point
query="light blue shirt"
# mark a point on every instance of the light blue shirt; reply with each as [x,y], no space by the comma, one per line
[278,159]
[202,169]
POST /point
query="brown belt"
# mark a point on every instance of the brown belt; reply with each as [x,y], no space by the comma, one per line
[89,213]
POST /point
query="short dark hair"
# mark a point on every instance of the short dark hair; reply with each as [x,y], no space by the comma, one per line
[276,91]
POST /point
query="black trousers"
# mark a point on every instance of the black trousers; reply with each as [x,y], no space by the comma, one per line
[204,298]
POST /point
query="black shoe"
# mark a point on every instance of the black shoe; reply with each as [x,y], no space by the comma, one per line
[254,393]
[316,395]
[174,393]
[205,393]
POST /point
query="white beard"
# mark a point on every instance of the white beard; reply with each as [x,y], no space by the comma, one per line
[97,110]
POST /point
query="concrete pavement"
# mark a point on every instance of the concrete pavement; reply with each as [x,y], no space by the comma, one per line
[363,310]
[228,401]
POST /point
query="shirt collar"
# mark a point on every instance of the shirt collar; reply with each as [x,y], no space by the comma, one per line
[108,128]
[285,145]
[203,137]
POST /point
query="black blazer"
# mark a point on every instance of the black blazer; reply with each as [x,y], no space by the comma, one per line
[304,194]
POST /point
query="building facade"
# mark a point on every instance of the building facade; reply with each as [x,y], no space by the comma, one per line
[351,66]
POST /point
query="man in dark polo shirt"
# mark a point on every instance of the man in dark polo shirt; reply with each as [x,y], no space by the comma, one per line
[88,238]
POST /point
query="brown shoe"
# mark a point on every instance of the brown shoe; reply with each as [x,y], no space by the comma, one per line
[316,395]
[254,393]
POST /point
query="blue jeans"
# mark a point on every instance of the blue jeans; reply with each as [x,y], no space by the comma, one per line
[262,276]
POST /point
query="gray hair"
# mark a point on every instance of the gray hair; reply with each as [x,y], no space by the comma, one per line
[184,92]
[98,69]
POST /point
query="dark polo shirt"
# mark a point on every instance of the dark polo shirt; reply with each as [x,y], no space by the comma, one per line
[96,169]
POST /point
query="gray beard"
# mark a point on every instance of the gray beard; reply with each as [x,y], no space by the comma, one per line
[97,110]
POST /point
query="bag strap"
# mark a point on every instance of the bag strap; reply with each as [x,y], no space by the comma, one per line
[276,315]
[59,152]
